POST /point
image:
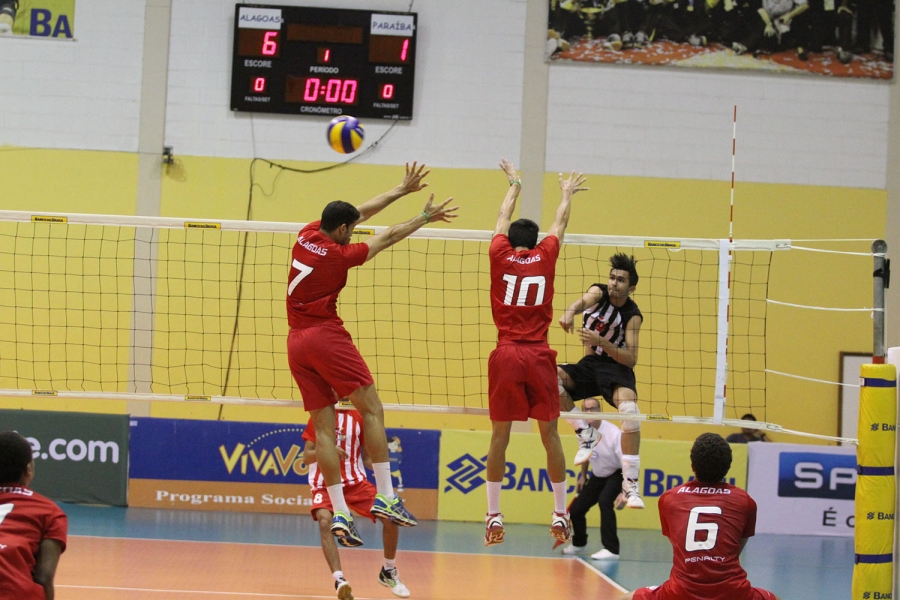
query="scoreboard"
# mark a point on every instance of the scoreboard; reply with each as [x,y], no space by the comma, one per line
[323,61]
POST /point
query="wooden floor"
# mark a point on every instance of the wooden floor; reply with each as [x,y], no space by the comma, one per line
[102,568]
[146,554]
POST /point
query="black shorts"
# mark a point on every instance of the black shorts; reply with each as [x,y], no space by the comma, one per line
[594,376]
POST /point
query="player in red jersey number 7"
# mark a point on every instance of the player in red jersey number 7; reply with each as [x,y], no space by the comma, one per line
[33,529]
[323,359]
[522,368]
[708,523]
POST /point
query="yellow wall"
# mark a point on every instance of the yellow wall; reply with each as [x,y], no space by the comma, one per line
[802,342]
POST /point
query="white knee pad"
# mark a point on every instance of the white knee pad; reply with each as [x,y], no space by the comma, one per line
[559,383]
[629,408]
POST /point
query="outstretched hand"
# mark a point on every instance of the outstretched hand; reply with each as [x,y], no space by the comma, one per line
[412,181]
[573,183]
[440,212]
[510,171]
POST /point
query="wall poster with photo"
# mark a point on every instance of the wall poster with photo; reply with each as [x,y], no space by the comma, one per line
[47,19]
[838,38]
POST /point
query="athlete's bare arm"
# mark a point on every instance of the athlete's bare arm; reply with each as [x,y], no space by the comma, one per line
[569,186]
[509,203]
[412,182]
[46,561]
[309,453]
[393,234]
[590,298]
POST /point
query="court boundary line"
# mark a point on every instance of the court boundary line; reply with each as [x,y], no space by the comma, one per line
[601,574]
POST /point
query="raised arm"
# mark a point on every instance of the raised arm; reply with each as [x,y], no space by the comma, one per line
[569,186]
[412,182]
[590,298]
[395,233]
[509,203]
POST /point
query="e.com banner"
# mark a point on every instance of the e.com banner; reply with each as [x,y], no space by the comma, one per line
[79,457]
[53,19]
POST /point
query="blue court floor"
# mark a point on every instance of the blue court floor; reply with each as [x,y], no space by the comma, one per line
[793,567]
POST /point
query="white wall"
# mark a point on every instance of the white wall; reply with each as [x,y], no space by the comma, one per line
[83,94]
[653,122]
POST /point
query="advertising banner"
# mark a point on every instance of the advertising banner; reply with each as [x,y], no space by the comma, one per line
[527,496]
[256,467]
[79,457]
[802,489]
[53,19]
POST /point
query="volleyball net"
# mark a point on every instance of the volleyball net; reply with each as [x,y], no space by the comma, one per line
[172,309]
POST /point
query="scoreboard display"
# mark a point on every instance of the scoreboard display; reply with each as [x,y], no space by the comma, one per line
[323,61]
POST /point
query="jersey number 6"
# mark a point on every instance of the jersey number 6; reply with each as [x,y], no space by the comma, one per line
[691,543]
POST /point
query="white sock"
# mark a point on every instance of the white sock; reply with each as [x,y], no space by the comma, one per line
[493,493]
[578,424]
[559,495]
[338,575]
[383,481]
[336,493]
[631,466]
[389,563]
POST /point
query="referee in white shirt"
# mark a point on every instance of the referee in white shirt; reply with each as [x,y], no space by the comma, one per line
[602,486]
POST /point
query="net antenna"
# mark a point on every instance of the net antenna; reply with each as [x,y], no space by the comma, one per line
[725,261]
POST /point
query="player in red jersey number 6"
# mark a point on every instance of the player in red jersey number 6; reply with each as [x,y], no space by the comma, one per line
[708,523]
[323,359]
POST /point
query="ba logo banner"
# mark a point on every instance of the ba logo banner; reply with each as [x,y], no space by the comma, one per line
[466,473]
[38,18]
[527,495]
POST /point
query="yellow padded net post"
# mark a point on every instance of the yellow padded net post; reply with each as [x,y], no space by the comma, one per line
[875,487]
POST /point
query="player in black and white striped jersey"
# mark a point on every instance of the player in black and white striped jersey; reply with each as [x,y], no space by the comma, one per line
[611,322]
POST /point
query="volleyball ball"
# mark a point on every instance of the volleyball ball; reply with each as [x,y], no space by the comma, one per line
[345,134]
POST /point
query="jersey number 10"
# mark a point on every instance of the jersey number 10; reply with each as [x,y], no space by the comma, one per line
[512,281]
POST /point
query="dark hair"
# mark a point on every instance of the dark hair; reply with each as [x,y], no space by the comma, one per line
[523,233]
[748,417]
[338,213]
[710,458]
[623,262]
[15,456]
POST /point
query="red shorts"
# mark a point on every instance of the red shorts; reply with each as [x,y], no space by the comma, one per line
[673,590]
[522,382]
[324,361]
[360,498]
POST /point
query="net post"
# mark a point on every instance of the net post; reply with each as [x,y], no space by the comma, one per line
[881,277]
[140,374]
[722,330]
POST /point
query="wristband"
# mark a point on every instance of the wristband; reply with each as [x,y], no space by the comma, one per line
[427,218]
[515,182]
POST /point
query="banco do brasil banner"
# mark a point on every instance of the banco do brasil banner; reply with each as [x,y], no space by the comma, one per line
[256,467]
[526,495]
[79,457]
